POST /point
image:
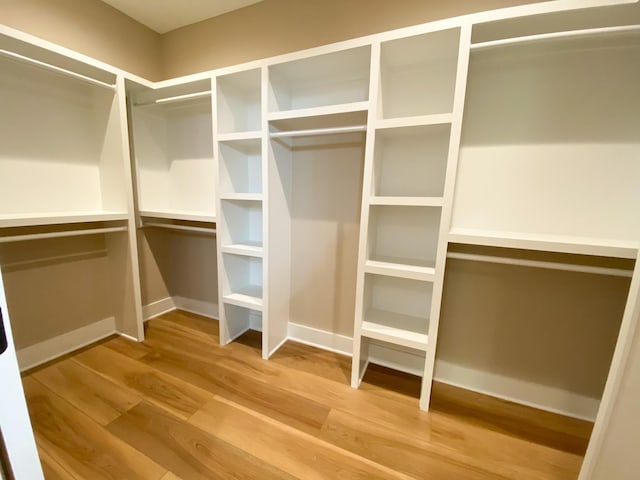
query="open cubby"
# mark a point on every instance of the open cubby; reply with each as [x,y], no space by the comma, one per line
[238,102]
[418,74]
[61,149]
[550,140]
[397,310]
[404,235]
[411,161]
[242,282]
[238,321]
[173,145]
[324,80]
[240,166]
[241,223]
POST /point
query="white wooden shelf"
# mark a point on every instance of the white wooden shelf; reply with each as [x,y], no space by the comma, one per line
[398,329]
[249,296]
[407,201]
[239,136]
[401,268]
[416,121]
[249,249]
[319,111]
[253,197]
[179,215]
[546,243]
[58,218]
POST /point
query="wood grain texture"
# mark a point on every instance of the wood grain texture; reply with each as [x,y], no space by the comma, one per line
[51,468]
[190,408]
[97,397]
[185,449]
[80,445]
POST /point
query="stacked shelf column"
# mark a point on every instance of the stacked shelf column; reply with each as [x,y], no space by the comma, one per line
[238,140]
[409,172]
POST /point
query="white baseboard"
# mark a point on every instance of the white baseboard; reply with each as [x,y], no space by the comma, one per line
[320,338]
[155,309]
[206,309]
[411,361]
[519,391]
[55,347]
[169,304]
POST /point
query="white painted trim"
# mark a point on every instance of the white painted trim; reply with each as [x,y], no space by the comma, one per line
[323,339]
[519,391]
[55,347]
[157,308]
[199,307]
[410,361]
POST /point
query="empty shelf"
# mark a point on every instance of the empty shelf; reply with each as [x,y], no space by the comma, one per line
[250,296]
[252,249]
[319,111]
[255,197]
[396,328]
[402,122]
[179,215]
[407,201]
[547,243]
[239,136]
[58,218]
[393,267]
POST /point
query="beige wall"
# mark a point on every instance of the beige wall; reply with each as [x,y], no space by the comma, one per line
[274,27]
[89,27]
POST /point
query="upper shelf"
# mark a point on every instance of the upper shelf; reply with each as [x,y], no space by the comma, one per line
[58,218]
[238,102]
[547,243]
[331,79]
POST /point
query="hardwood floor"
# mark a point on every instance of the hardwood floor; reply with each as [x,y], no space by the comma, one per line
[180,406]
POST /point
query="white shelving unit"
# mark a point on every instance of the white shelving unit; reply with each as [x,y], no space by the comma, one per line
[173,148]
[411,154]
[238,107]
[65,187]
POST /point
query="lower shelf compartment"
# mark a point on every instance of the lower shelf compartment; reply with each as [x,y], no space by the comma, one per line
[249,296]
[396,328]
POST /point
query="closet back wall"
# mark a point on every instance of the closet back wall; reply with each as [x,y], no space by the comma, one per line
[274,27]
[89,27]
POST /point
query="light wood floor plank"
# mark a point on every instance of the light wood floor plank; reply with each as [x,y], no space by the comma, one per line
[302,455]
[51,468]
[97,397]
[181,398]
[187,450]
[80,445]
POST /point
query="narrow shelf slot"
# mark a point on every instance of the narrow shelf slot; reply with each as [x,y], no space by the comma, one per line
[251,197]
[407,201]
[238,103]
[408,235]
[239,136]
[418,74]
[323,80]
[179,215]
[397,310]
[242,222]
[415,121]
[240,165]
[242,280]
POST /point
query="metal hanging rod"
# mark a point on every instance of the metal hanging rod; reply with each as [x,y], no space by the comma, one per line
[54,68]
[185,228]
[176,98]
[66,233]
[554,35]
[615,272]
[319,131]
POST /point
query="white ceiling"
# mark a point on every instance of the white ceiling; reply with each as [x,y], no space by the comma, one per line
[166,15]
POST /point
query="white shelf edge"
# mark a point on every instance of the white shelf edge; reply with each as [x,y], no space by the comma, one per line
[242,300]
[253,197]
[413,272]
[318,111]
[59,218]
[243,249]
[547,243]
[407,201]
[417,121]
[554,36]
[239,136]
[178,215]
[396,336]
